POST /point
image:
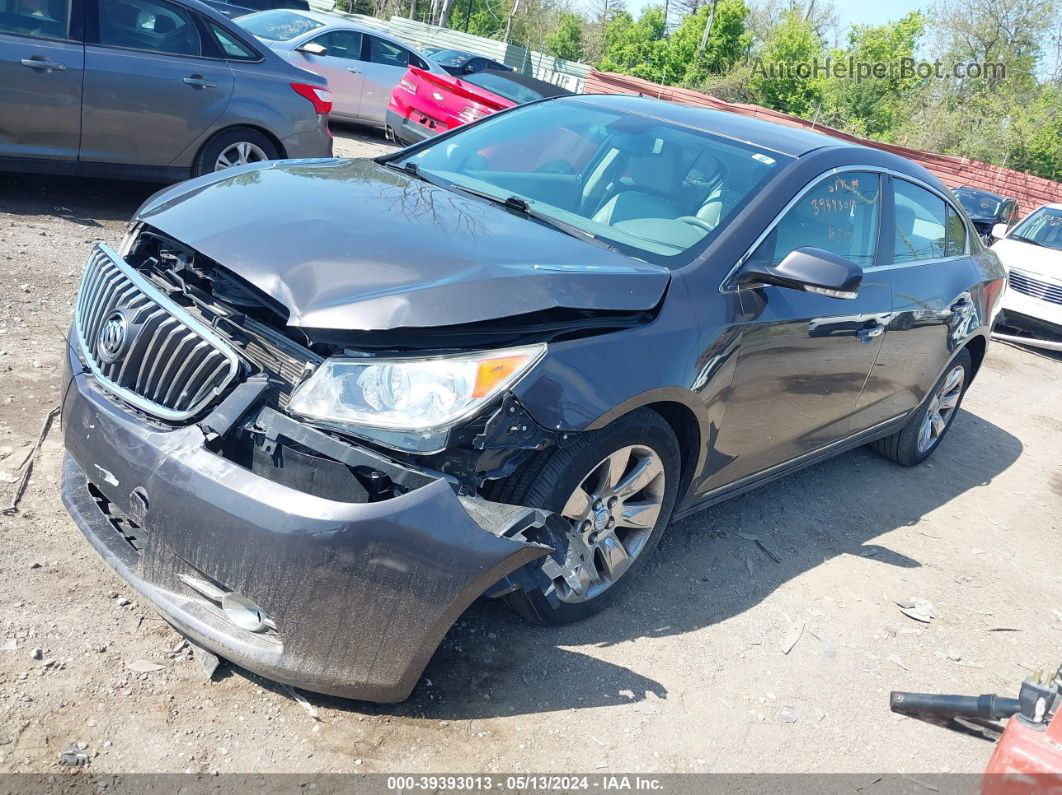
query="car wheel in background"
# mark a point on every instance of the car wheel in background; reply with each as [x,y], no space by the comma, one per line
[914,443]
[234,147]
[616,487]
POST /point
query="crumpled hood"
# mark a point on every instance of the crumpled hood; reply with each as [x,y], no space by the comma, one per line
[1030,258]
[352,245]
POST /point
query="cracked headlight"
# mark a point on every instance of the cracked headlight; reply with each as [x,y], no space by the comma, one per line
[409,403]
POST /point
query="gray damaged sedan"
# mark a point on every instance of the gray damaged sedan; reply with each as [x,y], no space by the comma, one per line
[315,409]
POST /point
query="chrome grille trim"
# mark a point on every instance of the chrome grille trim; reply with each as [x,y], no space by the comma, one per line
[1036,288]
[207,364]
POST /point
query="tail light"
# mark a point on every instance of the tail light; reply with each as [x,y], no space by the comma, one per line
[320,98]
[407,85]
[471,113]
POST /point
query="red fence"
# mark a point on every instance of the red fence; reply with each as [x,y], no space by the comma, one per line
[1030,191]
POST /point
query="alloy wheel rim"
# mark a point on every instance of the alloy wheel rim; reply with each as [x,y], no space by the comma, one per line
[614,510]
[941,410]
[239,154]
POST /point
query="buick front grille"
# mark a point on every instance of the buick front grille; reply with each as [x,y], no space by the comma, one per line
[1027,285]
[145,348]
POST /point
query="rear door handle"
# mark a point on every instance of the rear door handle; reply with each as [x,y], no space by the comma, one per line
[354,70]
[869,333]
[961,305]
[39,62]
[198,81]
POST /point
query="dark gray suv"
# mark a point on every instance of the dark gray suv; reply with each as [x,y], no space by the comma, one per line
[148,89]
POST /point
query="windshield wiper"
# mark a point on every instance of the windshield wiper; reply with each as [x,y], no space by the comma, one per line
[1024,239]
[523,206]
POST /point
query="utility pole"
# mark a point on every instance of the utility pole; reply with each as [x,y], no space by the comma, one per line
[707,29]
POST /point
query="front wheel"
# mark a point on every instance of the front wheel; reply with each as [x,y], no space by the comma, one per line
[616,488]
[914,443]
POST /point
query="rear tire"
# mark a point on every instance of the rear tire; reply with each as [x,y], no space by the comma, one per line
[641,442]
[917,440]
[236,146]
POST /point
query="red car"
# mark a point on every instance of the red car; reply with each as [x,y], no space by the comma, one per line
[424,104]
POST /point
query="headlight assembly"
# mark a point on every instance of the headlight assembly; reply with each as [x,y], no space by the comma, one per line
[409,403]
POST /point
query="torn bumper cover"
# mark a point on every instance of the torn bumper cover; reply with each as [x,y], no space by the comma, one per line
[356,596]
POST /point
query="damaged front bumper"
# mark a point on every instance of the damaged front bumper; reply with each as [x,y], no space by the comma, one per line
[356,596]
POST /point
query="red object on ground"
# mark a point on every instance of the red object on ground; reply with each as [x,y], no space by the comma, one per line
[1027,759]
[437,103]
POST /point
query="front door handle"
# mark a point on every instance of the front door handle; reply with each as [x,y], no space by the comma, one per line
[354,70]
[961,305]
[198,81]
[40,62]
[867,334]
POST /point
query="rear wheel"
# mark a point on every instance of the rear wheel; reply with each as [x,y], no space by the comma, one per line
[616,488]
[916,441]
[236,147]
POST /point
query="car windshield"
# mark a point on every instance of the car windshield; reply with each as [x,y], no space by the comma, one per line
[978,204]
[450,57]
[277,25]
[657,191]
[498,83]
[1043,228]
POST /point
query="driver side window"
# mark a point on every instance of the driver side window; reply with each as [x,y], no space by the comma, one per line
[148,25]
[839,214]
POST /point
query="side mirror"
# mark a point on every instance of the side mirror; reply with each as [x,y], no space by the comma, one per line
[813,270]
[999,231]
[312,48]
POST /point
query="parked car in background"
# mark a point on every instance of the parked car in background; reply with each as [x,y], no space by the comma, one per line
[239,8]
[313,431]
[362,65]
[986,209]
[1032,254]
[425,103]
[462,62]
[148,89]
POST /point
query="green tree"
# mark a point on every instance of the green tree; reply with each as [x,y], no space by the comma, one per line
[726,45]
[566,40]
[782,74]
[871,105]
[636,47]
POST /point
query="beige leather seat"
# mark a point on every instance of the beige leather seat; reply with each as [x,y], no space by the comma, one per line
[657,178]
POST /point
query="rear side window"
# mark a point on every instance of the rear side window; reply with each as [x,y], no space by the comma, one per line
[341,44]
[920,221]
[386,53]
[40,19]
[148,25]
[232,47]
[839,215]
[955,237]
[277,25]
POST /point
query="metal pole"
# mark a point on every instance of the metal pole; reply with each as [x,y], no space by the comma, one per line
[468,15]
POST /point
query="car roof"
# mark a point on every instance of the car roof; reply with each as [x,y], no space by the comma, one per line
[793,141]
[979,192]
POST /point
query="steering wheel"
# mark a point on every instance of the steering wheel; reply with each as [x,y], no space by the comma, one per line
[693,220]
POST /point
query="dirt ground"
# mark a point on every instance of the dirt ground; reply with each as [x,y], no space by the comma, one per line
[686,673]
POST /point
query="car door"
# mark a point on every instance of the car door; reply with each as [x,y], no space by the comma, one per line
[386,64]
[151,88]
[803,358]
[341,65]
[42,60]
[929,262]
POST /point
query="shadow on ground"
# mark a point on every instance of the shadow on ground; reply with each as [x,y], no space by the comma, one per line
[704,572]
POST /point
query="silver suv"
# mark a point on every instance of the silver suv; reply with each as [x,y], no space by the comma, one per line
[148,89]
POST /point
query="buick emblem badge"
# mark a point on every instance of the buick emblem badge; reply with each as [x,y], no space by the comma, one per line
[113,337]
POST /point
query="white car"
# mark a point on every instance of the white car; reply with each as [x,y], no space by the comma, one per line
[1031,252]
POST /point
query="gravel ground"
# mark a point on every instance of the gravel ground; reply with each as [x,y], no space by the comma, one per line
[686,673]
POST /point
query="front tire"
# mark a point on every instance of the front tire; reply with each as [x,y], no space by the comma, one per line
[617,487]
[234,147]
[917,440]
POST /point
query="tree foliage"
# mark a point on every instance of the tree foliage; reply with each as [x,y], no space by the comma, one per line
[566,39]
